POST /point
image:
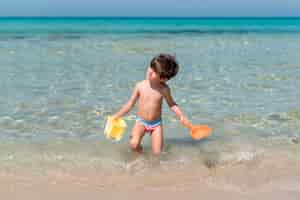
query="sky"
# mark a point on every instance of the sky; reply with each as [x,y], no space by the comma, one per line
[151,8]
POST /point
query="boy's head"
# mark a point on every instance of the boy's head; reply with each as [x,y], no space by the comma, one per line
[165,66]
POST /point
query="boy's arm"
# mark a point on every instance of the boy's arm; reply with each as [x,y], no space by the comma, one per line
[175,108]
[129,104]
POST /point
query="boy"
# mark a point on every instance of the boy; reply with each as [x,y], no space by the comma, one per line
[149,95]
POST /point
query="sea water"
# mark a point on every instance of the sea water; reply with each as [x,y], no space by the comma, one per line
[61,77]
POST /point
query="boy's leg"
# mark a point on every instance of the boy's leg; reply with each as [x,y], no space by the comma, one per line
[137,133]
[157,140]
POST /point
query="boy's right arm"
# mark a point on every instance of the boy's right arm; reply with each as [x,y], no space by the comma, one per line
[129,104]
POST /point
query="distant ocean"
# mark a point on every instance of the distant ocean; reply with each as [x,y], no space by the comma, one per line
[241,76]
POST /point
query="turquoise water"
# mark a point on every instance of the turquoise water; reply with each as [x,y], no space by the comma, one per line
[32,26]
[240,76]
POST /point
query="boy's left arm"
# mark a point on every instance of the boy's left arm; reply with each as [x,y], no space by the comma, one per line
[175,108]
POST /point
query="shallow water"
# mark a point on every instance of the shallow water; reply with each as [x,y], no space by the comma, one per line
[241,77]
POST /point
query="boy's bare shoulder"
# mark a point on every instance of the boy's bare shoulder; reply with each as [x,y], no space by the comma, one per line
[140,84]
[165,88]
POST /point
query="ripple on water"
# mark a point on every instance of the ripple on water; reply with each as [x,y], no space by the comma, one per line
[294,114]
[6,121]
[244,118]
[273,77]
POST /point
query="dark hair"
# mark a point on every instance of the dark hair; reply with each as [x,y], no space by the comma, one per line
[165,65]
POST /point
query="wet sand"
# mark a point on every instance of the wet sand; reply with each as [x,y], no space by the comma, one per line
[235,182]
[67,189]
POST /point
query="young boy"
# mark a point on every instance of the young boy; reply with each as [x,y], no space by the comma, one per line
[149,95]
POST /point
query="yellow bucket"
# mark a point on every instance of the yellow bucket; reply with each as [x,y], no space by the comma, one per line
[114,128]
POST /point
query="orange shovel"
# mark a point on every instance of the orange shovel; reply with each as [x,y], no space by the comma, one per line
[198,132]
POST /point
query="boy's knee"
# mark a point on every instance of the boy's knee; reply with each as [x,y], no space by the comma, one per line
[134,144]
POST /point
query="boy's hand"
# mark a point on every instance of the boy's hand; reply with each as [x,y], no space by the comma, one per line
[114,117]
[181,116]
[185,122]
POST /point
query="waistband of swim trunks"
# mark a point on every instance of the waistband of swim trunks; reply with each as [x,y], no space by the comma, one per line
[148,123]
